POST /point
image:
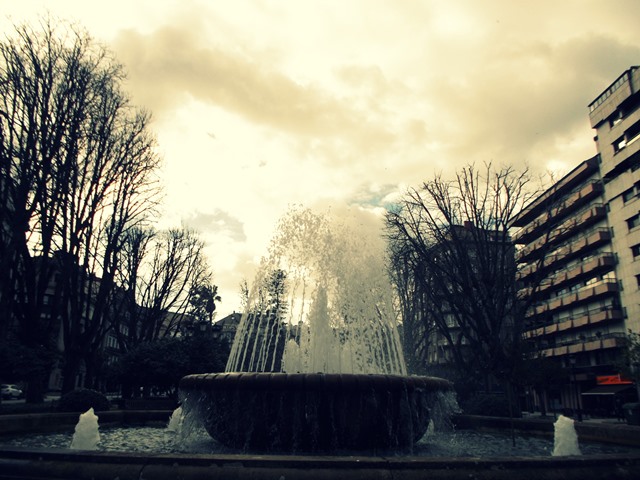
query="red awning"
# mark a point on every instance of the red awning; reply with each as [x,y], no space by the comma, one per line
[607,389]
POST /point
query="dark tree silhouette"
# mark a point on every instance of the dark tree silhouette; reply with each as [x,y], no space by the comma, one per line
[453,262]
[78,171]
[163,273]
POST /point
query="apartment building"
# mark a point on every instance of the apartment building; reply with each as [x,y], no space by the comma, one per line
[579,257]
[615,116]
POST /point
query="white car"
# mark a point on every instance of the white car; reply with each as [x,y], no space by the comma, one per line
[10,391]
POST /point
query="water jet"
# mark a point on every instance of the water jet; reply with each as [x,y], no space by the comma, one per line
[316,364]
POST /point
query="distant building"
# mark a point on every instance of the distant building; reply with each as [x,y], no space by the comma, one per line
[440,350]
[226,327]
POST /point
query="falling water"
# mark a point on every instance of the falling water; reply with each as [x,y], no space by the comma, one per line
[175,421]
[86,436]
[565,440]
[321,302]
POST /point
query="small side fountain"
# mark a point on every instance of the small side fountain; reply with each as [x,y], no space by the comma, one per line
[86,435]
[316,364]
[565,438]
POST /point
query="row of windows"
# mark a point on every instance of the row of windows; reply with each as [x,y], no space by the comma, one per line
[607,277]
[583,310]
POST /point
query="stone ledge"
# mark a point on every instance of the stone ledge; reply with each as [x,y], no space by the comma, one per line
[17,464]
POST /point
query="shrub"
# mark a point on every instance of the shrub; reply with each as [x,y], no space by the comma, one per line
[82,399]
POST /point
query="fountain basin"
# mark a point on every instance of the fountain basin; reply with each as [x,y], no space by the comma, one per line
[320,412]
[50,463]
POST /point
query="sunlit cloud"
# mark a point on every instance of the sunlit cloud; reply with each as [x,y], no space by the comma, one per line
[342,106]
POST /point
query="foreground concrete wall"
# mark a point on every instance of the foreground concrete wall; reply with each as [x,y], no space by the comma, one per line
[18,464]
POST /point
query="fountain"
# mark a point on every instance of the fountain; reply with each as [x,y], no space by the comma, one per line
[565,437]
[86,435]
[331,315]
[316,364]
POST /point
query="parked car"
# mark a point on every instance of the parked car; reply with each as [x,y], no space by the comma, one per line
[10,391]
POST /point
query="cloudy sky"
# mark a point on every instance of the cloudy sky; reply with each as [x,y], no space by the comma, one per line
[342,104]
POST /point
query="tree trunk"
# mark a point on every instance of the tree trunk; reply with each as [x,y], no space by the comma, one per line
[36,389]
[543,402]
[70,372]
[511,423]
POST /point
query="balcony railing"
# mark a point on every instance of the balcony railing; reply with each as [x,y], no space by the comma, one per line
[600,263]
[587,293]
[574,200]
[567,183]
[591,239]
[605,341]
[591,317]
[563,231]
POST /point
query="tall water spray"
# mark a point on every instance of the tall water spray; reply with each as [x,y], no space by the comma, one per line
[316,364]
[320,302]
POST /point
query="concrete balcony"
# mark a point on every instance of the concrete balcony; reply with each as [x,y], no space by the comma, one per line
[590,318]
[562,232]
[569,182]
[589,241]
[601,263]
[568,205]
[606,341]
[586,294]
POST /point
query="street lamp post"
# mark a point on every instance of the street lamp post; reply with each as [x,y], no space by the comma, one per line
[572,360]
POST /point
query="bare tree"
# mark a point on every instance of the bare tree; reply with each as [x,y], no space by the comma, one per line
[417,328]
[163,271]
[452,238]
[80,174]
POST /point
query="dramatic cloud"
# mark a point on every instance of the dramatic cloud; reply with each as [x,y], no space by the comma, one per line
[341,106]
[217,223]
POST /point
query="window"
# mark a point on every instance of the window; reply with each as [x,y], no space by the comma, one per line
[635,250]
[628,194]
[615,118]
[633,221]
[638,280]
[619,144]
[633,133]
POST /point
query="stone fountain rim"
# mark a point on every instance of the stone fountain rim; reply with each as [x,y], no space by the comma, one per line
[279,381]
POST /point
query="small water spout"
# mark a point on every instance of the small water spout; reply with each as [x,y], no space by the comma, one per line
[86,435]
[175,421]
[565,440]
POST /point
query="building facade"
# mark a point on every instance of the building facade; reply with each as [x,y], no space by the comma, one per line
[579,260]
[615,116]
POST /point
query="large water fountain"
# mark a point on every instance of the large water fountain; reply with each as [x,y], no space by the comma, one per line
[317,363]
[333,314]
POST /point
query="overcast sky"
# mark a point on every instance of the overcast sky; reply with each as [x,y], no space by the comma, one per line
[342,104]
